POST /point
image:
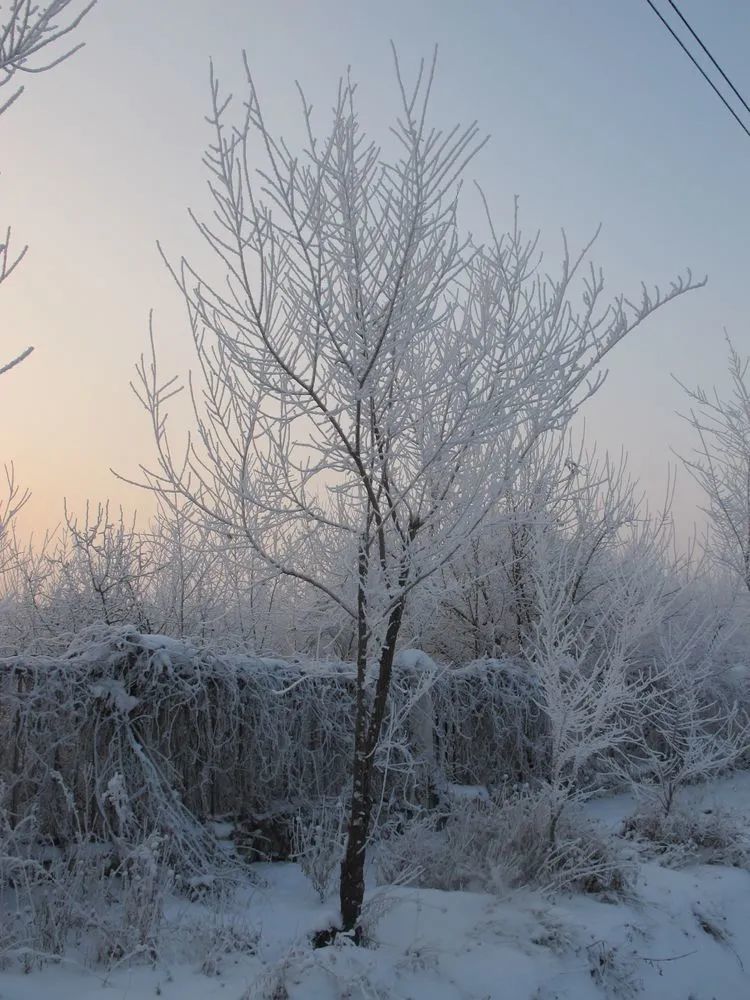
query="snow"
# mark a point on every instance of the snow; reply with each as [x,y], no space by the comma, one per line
[466,791]
[681,935]
[413,659]
[113,692]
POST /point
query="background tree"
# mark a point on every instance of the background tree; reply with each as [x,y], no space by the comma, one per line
[721,465]
[483,603]
[26,31]
[369,380]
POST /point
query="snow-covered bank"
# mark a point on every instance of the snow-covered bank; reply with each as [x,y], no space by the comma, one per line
[680,933]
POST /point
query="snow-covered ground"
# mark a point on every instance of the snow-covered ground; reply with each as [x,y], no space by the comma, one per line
[681,935]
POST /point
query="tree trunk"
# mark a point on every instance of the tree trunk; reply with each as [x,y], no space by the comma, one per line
[352,888]
[352,883]
[366,736]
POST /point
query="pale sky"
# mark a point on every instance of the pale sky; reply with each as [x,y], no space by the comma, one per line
[595,116]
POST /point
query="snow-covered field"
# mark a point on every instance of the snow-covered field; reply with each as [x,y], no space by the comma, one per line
[680,933]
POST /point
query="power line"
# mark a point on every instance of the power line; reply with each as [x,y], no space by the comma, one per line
[698,66]
[724,76]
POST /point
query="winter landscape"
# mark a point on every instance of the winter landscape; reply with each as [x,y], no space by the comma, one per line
[401,683]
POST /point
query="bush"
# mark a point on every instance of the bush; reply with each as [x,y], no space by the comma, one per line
[487,845]
[318,844]
[129,734]
[680,837]
[52,898]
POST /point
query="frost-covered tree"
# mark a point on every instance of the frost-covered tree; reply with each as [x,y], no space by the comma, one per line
[693,721]
[27,30]
[589,662]
[110,566]
[483,603]
[369,380]
[721,465]
[12,500]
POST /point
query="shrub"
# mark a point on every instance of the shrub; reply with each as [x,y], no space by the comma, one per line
[490,845]
[318,844]
[680,837]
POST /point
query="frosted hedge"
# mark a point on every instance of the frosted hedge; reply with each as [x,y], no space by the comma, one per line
[127,733]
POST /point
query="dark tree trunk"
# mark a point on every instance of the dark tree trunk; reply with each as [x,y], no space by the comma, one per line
[366,736]
[352,889]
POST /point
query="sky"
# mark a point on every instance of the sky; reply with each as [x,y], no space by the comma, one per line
[595,116]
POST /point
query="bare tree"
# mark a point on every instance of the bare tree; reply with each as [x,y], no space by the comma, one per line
[30,27]
[686,731]
[589,666]
[370,381]
[721,465]
[26,32]
[483,602]
[10,503]
[111,563]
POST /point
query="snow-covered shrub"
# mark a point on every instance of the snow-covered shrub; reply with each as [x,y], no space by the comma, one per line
[555,847]
[77,895]
[690,835]
[484,603]
[221,938]
[488,725]
[318,843]
[130,734]
[48,894]
[487,845]
[116,912]
[687,733]
[613,973]
[63,906]
[148,733]
[145,882]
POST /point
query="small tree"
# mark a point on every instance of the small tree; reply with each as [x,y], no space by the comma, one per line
[12,500]
[109,566]
[589,666]
[370,381]
[483,603]
[687,733]
[721,465]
